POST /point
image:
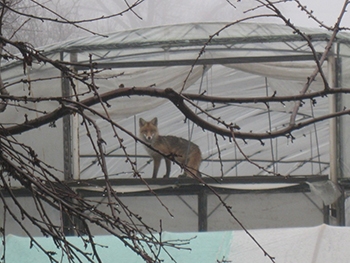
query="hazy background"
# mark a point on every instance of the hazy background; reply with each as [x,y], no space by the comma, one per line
[154,13]
[160,12]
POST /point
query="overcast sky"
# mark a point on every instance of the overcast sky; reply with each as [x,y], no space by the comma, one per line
[160,12]
[166,12]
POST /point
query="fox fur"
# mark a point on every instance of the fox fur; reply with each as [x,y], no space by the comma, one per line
[183,151]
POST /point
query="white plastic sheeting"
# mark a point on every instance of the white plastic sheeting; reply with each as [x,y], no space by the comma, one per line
[328,191]
[308,154]
[124,53]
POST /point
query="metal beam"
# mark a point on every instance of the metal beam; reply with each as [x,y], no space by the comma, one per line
[199,42]
[190,62]
[208,180]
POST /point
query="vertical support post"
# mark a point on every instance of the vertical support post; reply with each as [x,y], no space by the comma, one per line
[334,143]
[341,209]
[326,209]
[67,140]
[70,133]
[202,210]
[333,149]
[71,148]
[75,132]
[68,227]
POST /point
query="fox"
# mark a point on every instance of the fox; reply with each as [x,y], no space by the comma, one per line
[187,153]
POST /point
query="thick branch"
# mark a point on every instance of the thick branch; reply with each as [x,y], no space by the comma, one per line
[179,101]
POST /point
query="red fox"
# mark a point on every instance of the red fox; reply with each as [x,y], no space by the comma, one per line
[183,151]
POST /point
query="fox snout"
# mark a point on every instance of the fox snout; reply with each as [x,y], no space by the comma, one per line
[148,137]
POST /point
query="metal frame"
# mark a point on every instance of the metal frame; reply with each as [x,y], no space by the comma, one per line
[185,186]
[190,62]
[189,186]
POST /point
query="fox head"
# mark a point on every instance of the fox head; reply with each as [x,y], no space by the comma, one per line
[148,129]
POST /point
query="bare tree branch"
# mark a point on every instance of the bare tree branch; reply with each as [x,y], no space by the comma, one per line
[21,163]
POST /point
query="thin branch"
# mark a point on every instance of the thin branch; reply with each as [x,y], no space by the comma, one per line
[63,20]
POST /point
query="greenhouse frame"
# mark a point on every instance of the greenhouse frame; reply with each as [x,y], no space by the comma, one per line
[243,60]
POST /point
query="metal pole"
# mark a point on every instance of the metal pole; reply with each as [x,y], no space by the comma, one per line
[202,210]
[75,131]
[67,156]
[70,133]
[333,122]
[68,226]
[334,143]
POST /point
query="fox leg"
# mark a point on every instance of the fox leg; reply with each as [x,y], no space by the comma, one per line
[168,167]
[193,166]
[156,164]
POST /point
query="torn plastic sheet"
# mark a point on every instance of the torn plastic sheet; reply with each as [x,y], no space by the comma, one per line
[326,190]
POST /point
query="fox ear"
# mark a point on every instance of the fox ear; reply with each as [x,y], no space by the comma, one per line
[154,121]
[142,122]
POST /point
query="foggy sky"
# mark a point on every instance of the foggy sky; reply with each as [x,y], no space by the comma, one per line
[161,12]
[166,12]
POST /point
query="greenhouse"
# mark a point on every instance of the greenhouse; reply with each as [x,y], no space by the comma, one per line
[260,178]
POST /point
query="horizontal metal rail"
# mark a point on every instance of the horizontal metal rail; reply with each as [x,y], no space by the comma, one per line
[190,62]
